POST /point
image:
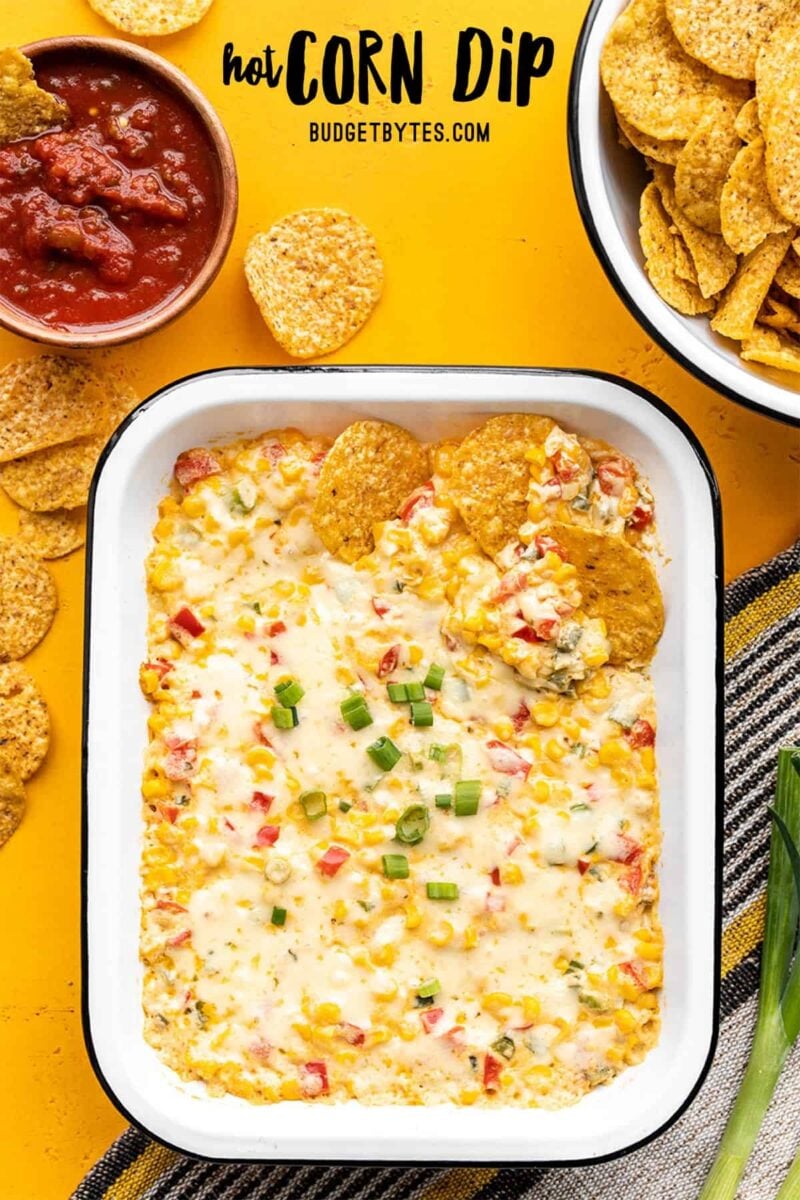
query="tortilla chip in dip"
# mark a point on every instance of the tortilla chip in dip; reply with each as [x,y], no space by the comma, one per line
[25,108]
[371,468]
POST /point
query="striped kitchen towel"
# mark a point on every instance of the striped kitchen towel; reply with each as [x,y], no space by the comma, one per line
[762,669]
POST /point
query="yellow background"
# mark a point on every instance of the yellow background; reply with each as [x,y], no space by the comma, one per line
[486,262]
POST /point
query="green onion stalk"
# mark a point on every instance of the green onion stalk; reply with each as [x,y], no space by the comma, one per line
[778,1019]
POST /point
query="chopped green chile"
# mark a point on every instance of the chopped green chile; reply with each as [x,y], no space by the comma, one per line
[315,804]
[504,1046]
[278,916]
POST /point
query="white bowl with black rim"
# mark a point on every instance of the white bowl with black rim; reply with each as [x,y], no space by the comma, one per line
[608,182]
[134,472]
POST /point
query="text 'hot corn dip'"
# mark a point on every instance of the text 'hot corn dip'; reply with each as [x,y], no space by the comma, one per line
[400,800]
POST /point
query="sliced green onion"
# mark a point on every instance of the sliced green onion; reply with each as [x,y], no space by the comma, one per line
[398,693]
[315,804]
[429,989]
[412,825]
[445,800]
[415,690]
[504,1046]
[438,752]
[778,1020]
[435,677]
[278,916]
[442,891]
[345,806]
[285,718]
[466,795]
[384,753]
[421,713]
[355,712]
[289,693]
[395,866]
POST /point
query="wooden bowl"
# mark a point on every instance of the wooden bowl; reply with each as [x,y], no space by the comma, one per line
[171,79]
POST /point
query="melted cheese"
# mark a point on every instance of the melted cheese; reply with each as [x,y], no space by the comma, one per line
[546,964]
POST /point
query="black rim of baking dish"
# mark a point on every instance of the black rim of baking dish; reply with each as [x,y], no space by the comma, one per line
[614,277]
[545,372]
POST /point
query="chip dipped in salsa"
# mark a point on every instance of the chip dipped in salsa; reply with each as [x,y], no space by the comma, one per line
[113,213]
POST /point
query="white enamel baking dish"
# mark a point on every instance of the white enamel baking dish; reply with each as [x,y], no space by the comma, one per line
[608,182]
[133,475]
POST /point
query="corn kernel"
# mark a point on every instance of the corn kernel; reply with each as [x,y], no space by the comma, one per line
[649,951]
[154,789]
[496,1001]
[596,657]
[442,934]
[246,622]
[470,937]
[193,506]
[327,1013]
[546,713]
[291,1090]
[541,791]
[624,1020]
[531,1007]
[511,873]
[614,752]
[554,750]
[413,916]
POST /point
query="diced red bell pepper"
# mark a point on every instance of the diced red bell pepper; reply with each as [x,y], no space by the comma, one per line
[261,801]
[526,634]
[267,835]
[273,451]
[314,1081]
[512,845]
[275,628]
[641,733]
[169,812]
[181,760]
[431,1017]
[180,939]
[546,628]
[185,622]
[353,1034]
[260,735]
[613,474]
[520,718]
[631,880]
[389,661]
[636,973]
[507,761]
[491,1073]
[628,849]
[494,875]
[161,666]
[564,467]
[457,1037]
[260,1049]
[543,542]
[381,606]
[194,465]
[512,583]
[332,860]
[170,906]
[421,498]
[641,518]
[583,865]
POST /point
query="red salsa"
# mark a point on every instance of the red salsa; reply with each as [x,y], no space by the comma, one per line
[113,214]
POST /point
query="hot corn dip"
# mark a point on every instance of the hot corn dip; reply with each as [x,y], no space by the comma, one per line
[400,815]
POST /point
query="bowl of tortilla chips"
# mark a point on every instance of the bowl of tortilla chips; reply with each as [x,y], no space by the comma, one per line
[685,158]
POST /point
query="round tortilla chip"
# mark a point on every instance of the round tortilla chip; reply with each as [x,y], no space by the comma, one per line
[53,534]
[772,349]
[151,18]
[24,721]
[726,35]
[746,209]
[788,274]
[48,400]
[714,262]
[652,81]
[28,599]
[650,147]
[618,583]
[25,108]
[777,90]
[491,476]
[747,122]
[702,168]
[658,239]
[741,304]
[316,276]
[369,470]
[12,802]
